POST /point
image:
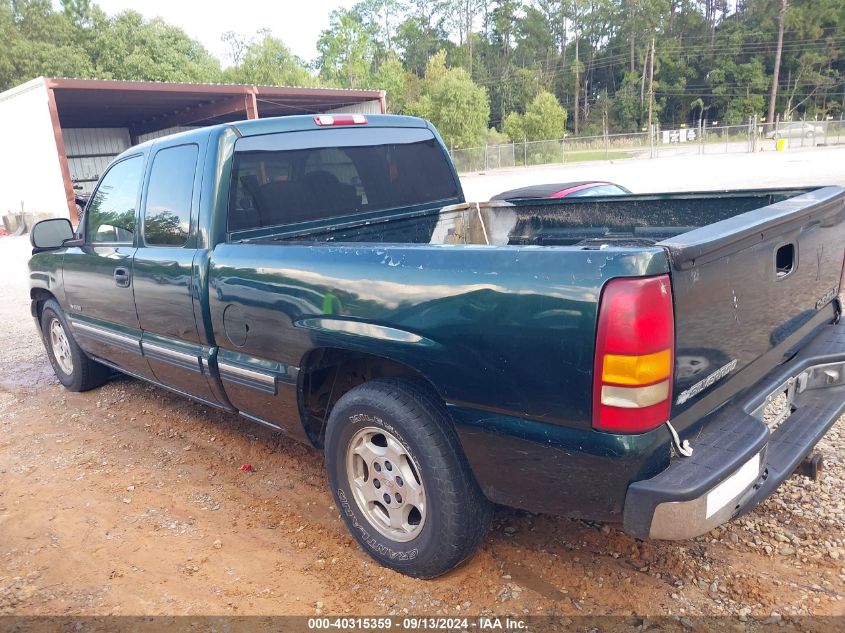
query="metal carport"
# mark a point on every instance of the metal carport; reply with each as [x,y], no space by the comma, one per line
[70,129]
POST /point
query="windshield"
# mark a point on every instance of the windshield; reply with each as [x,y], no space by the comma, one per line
[599,190]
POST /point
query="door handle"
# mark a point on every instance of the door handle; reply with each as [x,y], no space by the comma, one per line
[121,277]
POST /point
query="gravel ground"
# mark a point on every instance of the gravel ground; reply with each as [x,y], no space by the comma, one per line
[130,500]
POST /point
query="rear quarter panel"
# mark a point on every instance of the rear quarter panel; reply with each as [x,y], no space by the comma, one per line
[505,329]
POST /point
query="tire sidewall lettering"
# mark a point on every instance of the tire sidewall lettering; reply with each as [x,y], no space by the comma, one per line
[372,543]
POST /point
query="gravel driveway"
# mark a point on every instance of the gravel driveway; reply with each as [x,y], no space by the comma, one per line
[130,500]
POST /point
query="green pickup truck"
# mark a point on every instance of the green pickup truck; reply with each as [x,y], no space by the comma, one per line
[663,361]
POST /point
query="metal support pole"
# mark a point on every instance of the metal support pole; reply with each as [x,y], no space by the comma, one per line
[754,133]
[803,120]
[702,123]
[651,140]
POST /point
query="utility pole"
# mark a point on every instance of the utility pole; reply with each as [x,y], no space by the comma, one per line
[632,37]
[642,81]
[577,78]
[651,94]
[773,94]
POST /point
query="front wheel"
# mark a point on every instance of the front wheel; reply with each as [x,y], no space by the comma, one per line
[400,479]
[74,369]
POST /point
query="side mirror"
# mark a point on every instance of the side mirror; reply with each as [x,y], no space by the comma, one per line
[50,234]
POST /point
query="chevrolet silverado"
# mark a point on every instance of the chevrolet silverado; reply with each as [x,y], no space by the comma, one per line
[663,361]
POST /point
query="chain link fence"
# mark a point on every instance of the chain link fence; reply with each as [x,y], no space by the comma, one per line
[751,137]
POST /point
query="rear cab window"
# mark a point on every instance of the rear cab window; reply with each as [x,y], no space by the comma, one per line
[167,211]
[289,178]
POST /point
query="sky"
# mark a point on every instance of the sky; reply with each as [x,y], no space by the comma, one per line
[297,23]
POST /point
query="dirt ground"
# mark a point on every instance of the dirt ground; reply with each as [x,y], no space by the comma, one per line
[130,500]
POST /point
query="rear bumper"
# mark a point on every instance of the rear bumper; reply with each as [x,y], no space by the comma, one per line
[737,461]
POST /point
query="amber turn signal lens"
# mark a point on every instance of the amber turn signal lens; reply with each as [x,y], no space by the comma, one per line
[620,369]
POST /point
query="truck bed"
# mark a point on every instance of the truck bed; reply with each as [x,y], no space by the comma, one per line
[736,303]
[589,223]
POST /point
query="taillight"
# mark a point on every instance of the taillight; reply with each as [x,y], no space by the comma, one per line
[635,343]
[340,119]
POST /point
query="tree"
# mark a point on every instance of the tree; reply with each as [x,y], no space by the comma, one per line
[265,60]
[79,12]
[390,77]
[513,128]
[463,15]
[346,50]
[626,107]
[748,100]
[418,38]
[459,108]
[383,18]
[544,119]
[513,90]
[535,45]
[39,41]
[237,46]
[129,47]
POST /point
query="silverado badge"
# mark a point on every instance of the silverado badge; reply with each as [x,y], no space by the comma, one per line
[703,384]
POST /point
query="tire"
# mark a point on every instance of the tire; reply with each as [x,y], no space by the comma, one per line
[74,369]
[444,515]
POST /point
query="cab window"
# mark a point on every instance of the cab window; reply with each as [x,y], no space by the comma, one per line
[288,178]
[111,212]
[167,212]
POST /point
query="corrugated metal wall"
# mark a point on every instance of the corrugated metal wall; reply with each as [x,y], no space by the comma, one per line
[90,150]
[365,107]
[165,132]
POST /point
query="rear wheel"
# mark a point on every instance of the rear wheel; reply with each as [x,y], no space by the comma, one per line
[400,480]
[74,369]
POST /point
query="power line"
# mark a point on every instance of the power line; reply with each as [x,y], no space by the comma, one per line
[548,67]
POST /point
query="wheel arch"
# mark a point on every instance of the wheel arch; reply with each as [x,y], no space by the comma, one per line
[38,297]
[327,373]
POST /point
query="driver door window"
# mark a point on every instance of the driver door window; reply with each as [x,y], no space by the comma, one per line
[111,212]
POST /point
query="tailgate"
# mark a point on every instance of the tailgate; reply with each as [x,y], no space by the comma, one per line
[749,291]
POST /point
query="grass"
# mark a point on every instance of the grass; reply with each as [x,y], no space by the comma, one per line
[577,157]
